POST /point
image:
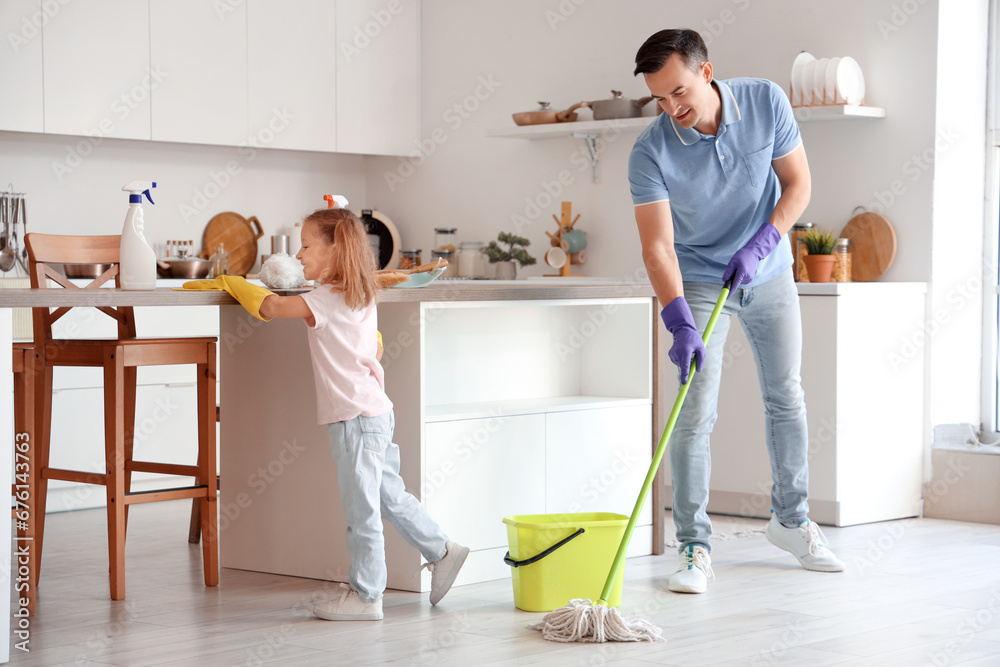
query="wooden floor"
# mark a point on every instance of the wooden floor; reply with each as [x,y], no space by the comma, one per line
[919,592]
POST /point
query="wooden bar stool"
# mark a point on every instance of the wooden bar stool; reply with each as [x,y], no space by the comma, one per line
[25,507]
[119,357]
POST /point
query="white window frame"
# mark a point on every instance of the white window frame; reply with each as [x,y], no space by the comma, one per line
[990,429]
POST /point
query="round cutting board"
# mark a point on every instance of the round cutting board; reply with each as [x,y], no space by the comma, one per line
[239,237]
[873,245]
[379,226]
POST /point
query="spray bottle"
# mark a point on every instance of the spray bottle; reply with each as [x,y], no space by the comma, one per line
[137,262]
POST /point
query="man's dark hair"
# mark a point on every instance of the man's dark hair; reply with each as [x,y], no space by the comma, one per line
[655,52]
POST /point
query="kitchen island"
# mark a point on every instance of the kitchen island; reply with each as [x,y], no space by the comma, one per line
[519,397]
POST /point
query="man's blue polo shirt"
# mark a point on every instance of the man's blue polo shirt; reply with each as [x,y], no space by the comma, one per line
[721,188]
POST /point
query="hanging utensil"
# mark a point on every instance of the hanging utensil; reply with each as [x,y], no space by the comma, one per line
[23,255]
[7,255]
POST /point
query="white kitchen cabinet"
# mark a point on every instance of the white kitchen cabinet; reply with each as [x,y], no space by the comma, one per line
[21,66]
[292,68]
[97,77]
[201,49]
[863,377]
[378,76]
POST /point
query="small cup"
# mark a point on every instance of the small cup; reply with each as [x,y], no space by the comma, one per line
[575,241]
[556,257]
[279,243]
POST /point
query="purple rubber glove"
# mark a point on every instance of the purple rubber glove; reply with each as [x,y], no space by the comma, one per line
[743,266]
[687,343]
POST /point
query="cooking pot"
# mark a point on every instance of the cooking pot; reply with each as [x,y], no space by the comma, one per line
[546,114]
[183,266]
[618,107]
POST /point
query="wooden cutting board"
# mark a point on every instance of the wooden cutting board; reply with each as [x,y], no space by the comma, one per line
[873,245]
[239,237]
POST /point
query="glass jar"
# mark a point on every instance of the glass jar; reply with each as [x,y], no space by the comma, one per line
[842,263]
[220,262]
[409,259]
[471,260]
[444,239]
[447,255]
[800,229]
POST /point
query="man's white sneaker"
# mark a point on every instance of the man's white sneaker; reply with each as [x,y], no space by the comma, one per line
[694,572]
[349,607]
[444,571]
[806,542]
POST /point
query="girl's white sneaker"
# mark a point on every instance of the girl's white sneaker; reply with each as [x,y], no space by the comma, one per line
[444,571]
[349,607]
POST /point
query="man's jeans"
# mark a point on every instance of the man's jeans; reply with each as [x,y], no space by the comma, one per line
[370,490]
[770,317]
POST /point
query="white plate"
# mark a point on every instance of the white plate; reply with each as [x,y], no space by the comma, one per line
[830,86]
[808,73]
[819,81]
[798,67]
[850,81]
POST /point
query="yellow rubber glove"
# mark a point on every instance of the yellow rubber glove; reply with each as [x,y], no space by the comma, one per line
[250,296]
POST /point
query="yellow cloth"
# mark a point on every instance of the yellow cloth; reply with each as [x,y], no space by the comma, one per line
[250,296]
[379,334]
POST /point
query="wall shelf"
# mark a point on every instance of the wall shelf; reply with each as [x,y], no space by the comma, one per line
[589,130]
[837,112]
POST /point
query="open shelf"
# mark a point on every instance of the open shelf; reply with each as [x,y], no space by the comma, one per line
[555,130]
[837,112]
[526,406]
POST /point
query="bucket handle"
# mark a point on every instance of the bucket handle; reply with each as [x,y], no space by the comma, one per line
[534,559]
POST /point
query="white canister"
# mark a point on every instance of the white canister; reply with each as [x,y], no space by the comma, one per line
[471,260]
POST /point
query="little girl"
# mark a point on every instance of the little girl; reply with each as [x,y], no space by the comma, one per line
[350,395]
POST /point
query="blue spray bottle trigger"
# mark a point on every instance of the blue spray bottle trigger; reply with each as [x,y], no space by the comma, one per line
[146,192]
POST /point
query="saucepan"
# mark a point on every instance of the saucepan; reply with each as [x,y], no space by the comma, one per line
[618,107]
[183,267]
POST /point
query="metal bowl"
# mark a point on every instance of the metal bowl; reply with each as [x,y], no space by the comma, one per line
[85,270]
[187,267]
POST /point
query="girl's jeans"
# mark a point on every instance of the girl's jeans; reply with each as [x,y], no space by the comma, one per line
[769,315]
[370,490]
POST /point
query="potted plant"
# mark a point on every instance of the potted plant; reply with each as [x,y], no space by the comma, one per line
[508,258]
[819,262]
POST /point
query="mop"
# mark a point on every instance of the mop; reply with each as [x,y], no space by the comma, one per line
[584,621]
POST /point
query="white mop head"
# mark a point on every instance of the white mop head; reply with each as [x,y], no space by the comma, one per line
[580,621]
[281,271]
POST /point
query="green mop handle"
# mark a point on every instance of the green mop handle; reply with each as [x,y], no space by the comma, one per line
[658,456]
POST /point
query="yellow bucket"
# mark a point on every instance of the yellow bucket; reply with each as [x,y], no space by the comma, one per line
[555,558]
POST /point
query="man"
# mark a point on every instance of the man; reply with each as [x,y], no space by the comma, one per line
[717,180]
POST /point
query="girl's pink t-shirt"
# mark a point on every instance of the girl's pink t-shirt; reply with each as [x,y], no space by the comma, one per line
[344,344]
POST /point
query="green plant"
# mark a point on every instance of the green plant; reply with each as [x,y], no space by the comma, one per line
[515,250]
[819,242]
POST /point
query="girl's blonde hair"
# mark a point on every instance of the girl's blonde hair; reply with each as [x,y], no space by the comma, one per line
[352,263]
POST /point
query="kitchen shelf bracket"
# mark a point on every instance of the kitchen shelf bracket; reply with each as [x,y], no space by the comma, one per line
[590,141]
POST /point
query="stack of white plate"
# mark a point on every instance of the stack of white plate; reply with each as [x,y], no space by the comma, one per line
[826,81]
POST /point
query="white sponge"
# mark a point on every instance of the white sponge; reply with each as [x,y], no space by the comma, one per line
[281,271]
